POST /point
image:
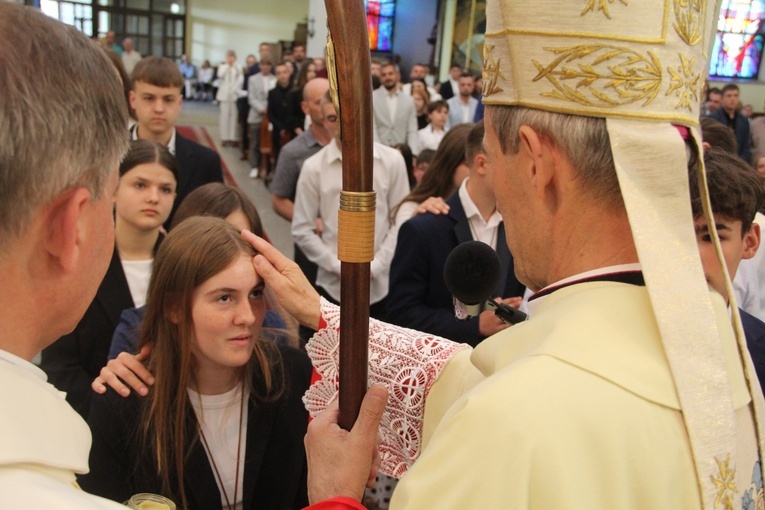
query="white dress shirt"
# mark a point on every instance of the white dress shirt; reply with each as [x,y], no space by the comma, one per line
[429,138]
[482,230]
[318,196]
[391,99]
[129,60]
[170,144]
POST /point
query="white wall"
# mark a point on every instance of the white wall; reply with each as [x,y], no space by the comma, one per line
[413,25]
[241,25]
[316,44]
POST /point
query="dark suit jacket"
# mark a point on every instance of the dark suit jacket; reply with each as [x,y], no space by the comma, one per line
[418,297]
[740,126]
[754,330]
[197,165]
[445,90]
[274,467]
[278,108]
[296,117]
[74,360]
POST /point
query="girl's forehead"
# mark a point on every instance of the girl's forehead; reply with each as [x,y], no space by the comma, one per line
[239,275]
[152,169]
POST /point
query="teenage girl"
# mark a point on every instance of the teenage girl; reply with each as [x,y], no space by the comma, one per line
[142,203]
[223,424]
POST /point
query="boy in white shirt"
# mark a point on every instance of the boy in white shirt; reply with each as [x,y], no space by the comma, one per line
[430,136]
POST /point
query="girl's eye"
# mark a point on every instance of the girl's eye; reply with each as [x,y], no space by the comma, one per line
[225,298]
[167,191]
[139,185]
[256,294]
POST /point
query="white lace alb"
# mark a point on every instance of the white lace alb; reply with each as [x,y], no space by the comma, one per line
[406,361]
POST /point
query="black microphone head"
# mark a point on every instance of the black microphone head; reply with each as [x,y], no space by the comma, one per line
[472,272]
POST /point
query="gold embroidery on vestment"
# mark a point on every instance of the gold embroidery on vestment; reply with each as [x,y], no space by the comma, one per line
[688,19]
[684,83]
[602,5]
[607,76]
[491,72]
[725,483]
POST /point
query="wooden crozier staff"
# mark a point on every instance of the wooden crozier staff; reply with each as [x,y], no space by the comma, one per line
[348,66]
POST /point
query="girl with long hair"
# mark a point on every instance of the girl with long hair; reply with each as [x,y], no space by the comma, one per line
[223,424]
[445,174]
[142,203]
[213,199]
[222,201]
[421,98]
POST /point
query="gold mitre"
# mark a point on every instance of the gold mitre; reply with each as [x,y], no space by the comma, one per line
[642,59]
[641,65]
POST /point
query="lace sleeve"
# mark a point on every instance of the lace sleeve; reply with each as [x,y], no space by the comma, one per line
[408,362]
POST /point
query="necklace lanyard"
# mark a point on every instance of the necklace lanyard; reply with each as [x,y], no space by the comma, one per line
[230,504]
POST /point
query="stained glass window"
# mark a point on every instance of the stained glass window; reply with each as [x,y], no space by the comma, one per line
[380,14]
[738,46]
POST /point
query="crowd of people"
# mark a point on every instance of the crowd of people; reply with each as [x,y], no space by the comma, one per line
[165,179]
[273,108]
[165,320]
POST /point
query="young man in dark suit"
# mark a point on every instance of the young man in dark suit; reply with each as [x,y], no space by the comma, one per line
[418,297]
[730,115]
[278,111]
[736,194]
[156,99]
[450,87]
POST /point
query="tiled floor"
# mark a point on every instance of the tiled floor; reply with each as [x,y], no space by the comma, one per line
[278,229]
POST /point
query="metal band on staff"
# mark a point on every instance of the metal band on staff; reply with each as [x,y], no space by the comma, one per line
[356,227]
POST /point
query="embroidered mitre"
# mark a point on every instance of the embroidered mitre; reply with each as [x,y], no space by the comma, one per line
[631,59]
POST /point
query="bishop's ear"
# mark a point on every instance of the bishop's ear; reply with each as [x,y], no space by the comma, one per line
[538,157]
[67,227]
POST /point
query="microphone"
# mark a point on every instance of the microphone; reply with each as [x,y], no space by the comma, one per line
[471,273]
